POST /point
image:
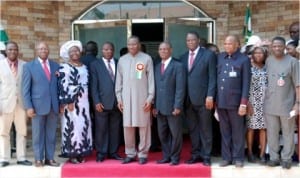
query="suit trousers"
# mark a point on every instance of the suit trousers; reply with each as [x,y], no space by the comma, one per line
[18,117]
[44,136]
[200,129]
[107,131]
[233,131]
[145,141]
[170,135]
[287,127]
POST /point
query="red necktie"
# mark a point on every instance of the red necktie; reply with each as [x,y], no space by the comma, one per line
[13,68]
[162,68]
[191,61]
[46,70]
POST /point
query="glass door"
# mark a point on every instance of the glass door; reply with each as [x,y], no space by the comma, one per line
[177,28]
[100,31]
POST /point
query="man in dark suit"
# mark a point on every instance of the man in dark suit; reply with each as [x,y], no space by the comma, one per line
[91,52]
[107,114]
[170,92]
[200,67]
[233,83]
[40,99]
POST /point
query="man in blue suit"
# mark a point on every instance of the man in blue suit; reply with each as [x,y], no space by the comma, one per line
[107,115]
[200,66]
[233,83]
[39,92]
[170,91]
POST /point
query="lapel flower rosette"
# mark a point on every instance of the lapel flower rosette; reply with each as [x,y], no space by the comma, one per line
[139,70]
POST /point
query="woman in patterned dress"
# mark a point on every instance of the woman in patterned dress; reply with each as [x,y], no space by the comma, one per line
[73,96]
[255,118]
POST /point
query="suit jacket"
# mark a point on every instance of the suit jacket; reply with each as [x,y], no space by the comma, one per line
[233,90]
[169,87]
[102,86]
[10,87]
[39,93]
[202,78]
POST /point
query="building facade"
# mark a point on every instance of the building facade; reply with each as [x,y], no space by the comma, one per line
[28,22]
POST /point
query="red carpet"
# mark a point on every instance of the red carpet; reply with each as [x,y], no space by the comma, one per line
[114,168]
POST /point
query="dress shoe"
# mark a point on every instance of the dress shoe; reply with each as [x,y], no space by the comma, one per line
[24,163]
[4,163]
[194,160]
[239,164]
[174,163]
[273,163]
[100,159]
[128,160]
[206,162]
[73,161]
[251,158]
[143,160]
[163,161]
[80,159]
[38,164]
[262,160]
[51,163]
[286,165]
[224,163]
[116,156]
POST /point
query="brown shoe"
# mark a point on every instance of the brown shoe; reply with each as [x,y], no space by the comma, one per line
[38,163]
[51,163]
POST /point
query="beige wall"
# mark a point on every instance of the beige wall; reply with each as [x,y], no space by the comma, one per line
[27,22]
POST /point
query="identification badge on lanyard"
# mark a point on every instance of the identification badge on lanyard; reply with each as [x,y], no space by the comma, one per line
[232,73]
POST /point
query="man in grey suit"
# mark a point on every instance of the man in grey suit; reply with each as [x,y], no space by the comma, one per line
[39,82]
[107,115]
[200,66]
[170,86]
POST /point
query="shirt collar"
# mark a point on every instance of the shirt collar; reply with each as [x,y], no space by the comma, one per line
[15,63]
[41,61]
[195,51]
[166,62]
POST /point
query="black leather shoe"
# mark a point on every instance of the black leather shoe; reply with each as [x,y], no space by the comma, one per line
[163,161]
[4,163]
[116,157]
[73,161]
[251,158]
[273,163]
[224,163]
[194,160]
[239,164]
[100,159]
[286,165]
[143,160]
[206,162]
[128,160]
[174,163]
[24,163]
[52,163]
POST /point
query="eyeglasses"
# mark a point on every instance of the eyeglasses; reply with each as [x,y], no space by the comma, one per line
[294,31]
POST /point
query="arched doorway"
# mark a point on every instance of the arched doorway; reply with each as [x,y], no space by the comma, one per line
[153,21]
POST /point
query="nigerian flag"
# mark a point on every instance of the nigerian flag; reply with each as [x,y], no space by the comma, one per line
[3,35]
[247,25]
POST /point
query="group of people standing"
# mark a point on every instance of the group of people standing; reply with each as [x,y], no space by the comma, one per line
[89,93]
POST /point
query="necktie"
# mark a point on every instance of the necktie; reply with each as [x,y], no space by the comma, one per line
[191,60]
[13,68]
[162,68]
[46,70]
[110,71]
